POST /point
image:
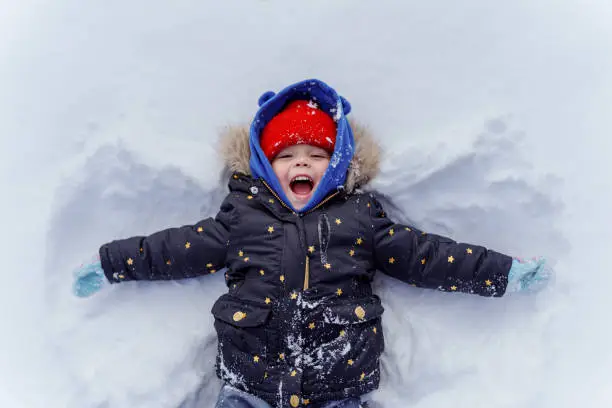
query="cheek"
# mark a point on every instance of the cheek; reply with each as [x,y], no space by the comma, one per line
[322,167]
[280,171]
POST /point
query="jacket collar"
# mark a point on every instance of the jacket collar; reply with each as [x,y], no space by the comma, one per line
[259,190]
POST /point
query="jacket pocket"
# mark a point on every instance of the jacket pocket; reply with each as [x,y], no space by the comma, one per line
[239,313]
[353,311]
[242,338]
[358,321]
[345,344]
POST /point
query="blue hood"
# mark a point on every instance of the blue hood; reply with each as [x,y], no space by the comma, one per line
[329,101]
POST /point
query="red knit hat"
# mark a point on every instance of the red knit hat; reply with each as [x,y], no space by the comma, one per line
[301,122]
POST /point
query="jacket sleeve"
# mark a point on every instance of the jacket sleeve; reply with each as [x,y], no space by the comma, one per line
[174,253]
[435,262]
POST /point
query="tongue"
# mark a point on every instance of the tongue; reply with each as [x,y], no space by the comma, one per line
[301,187]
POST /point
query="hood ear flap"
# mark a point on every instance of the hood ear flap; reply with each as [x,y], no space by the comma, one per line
[265,97]
[346,106]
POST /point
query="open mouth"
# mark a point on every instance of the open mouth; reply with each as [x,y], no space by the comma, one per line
[301,185]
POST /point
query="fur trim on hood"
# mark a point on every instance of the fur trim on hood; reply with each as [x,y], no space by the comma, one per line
[365,165]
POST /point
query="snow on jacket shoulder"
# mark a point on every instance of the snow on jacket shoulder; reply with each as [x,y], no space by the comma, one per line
[299,324]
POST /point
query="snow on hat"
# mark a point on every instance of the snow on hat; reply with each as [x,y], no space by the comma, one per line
[300,122]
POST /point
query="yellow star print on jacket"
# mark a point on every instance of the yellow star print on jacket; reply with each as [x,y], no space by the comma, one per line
[299,314]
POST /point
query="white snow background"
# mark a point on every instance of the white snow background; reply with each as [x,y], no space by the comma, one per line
[495,120]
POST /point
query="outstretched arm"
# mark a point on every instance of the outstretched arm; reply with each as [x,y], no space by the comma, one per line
[174,253]
[436,262]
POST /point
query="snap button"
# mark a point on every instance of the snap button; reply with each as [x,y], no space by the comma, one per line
[294,400]
[238,316]
[254,190]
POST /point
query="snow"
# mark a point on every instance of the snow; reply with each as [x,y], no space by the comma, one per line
[494,121]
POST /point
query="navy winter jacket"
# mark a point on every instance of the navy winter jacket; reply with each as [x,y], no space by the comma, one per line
[299,324]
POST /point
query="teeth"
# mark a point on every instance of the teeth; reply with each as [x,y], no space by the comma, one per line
[301,178]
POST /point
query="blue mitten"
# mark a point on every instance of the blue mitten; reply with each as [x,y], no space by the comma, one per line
[528,275]
[89,279]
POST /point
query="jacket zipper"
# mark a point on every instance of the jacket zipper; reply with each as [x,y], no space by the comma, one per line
[307,273]
[307,267]
[277,197]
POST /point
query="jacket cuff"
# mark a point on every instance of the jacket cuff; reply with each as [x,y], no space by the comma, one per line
[106,262]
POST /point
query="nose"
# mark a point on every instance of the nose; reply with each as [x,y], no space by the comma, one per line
[302,161]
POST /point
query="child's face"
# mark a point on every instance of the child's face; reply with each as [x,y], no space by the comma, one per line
[299,169]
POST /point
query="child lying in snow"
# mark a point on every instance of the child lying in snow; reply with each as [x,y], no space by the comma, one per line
[300,324]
